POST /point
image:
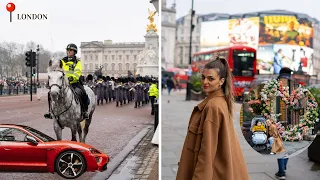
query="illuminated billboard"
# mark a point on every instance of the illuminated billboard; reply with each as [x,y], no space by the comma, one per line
[271,58]
[214,34]
[225,33]
[282,29]
[244,31]
[265,57]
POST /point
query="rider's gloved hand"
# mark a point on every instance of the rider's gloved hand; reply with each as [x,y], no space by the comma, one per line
[70,79]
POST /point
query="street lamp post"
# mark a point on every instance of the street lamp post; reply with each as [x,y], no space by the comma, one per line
[38,49]
[188,94]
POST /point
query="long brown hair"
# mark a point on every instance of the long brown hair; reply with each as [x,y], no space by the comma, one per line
[224,72]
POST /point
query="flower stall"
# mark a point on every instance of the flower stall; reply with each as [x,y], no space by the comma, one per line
[299,104]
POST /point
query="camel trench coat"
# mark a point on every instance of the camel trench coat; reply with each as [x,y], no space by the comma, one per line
[211,150]
[277,146]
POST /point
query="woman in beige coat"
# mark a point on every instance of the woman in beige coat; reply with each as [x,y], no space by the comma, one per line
[211,150]
[275,139]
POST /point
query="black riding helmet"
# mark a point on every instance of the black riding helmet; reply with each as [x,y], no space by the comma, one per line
[72,47]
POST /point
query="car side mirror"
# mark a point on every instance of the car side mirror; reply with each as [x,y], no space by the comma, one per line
[32,140]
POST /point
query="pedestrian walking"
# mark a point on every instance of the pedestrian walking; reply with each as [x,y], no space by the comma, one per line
[212,150]
[170,84]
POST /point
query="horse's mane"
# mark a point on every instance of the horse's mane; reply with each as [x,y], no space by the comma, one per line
[55,65]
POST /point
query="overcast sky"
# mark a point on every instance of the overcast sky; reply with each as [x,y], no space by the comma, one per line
[76,21]
[310,7]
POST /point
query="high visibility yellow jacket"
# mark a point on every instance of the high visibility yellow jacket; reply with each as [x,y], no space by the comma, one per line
[72,70]
[153,90]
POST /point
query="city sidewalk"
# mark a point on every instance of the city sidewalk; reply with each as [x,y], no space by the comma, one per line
[175,117]
[141,163]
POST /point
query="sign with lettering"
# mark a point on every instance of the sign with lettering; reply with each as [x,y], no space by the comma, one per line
[285,30]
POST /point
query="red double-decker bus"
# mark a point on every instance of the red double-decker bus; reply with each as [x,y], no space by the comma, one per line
[242,61]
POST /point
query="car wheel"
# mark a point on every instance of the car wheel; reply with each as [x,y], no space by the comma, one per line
[70,164]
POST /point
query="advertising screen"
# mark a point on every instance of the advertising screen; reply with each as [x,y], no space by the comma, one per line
[281,29]
[225,33]
[265,57]
[271,58]
[287,55]
[244,31]
[214,34]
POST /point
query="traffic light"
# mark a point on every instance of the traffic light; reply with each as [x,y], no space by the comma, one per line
[192,15]
[34,59]
[31,58]
[33,72]
[28,58]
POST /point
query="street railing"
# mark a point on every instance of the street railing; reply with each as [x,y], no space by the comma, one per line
[7,91]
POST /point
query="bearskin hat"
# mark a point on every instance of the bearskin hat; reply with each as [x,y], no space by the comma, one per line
[89,77]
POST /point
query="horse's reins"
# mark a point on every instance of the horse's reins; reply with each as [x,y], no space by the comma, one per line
[63,90]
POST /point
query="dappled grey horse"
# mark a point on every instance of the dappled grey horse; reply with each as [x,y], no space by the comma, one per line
[66,108]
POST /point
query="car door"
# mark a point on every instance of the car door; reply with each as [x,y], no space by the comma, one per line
[20,155]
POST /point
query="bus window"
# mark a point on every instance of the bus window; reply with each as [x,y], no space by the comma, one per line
[195,58]
[243,63]
[207,57]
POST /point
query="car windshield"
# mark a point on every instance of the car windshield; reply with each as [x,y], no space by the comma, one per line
[40,135]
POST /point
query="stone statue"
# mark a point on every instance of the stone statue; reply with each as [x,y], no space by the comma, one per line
[151,56]
[151,19]
[141,57]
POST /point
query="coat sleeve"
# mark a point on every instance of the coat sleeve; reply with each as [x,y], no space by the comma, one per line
[209,144]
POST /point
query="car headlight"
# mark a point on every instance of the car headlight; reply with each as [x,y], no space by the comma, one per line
[94,151]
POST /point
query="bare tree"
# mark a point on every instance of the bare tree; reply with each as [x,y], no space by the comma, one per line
[13,50]
[58,55]
[44,58]
[31,45]
[3,57]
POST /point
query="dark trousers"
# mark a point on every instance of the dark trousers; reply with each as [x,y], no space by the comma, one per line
[152,99]
[82,94]
[282,164]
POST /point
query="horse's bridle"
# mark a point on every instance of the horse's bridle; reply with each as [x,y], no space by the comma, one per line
[63,89]
[60,87]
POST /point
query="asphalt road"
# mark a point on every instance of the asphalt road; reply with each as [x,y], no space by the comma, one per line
[110,131]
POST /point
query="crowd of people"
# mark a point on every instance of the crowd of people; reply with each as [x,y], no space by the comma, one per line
[124,90]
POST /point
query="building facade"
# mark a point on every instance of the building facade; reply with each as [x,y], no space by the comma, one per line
[115,59]
[168,33]
[183,39]
[316,55]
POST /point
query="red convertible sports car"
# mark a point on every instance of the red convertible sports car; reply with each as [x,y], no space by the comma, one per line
[24,149]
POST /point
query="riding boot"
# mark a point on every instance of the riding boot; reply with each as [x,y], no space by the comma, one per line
[124,102]
[135,104]
[117,104]
[120,103]
[48,115]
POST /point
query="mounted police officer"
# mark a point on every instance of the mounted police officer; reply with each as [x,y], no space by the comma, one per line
[73,69]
